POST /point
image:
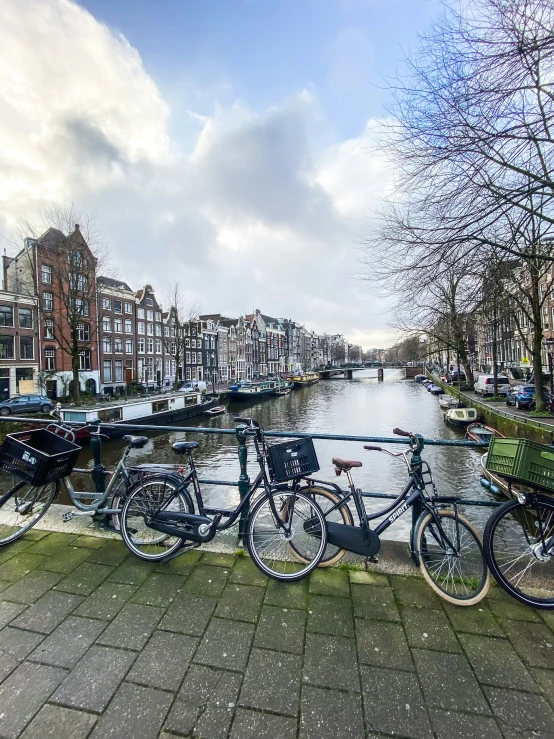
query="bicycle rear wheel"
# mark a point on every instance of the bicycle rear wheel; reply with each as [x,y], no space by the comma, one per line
[141,504]
[326,500]
[451,557]
[22,506]
[269,542]
[519,548]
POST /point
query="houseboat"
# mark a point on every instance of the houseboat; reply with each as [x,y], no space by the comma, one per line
[302,379]
[153,411]
[257,390]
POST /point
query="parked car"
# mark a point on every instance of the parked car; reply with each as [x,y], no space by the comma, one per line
[485,385]
[512,393]
[188,388]
[26,404]
[525,399]
[454,377]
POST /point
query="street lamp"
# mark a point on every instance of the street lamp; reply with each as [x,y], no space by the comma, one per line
[549,343]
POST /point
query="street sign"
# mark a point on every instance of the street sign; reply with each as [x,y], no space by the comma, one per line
[525,362]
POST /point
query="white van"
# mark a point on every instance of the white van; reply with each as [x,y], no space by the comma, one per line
[485,385]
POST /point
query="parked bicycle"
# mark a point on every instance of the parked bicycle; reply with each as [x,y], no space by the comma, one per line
[443,542]
[269,534]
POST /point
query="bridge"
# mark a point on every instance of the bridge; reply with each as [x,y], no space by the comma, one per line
[345,371]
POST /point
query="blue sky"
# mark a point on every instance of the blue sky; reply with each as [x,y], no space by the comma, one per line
[229,145]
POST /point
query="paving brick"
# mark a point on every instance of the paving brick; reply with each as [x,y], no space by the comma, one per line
[54,541]
[8,611]
[545,679]
[548,618]
[18,643]
[414,591]
[448,682]
[66,645]
[112,553]
[159,590]
[533,642]
[475,620]
[134,712]
[66,560]
[520,710]
[84,579]
[23,693]
[92,683]
[34,535]
[62,723]
[330,661]
[365,577]
[371,601]
[16,567]
[394,703]
[164,661]
[287,594]
[10,551]
[225,644]
[7,665]
[429,629]
[132,571]
[281,629]
[48,612]
[383,644]
[132,628]
[503,606]
[189,614]
[256,725]
[330,582]
[240,603]
[218,559]
[246,573]
[272,682]
[31,587]
[207,580]
[330,615]
[495,663]
[450,725]
[106,601]
[89,542]
[328,714]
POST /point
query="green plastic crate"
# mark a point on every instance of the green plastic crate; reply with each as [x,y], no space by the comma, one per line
[523,460]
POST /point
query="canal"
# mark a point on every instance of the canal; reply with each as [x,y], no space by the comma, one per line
[360,406]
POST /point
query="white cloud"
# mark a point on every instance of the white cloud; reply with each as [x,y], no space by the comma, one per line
[260,214]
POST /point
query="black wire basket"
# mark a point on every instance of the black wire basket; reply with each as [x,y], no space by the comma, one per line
[292,459]
[38,456]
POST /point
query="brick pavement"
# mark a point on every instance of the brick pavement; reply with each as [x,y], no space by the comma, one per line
[95,643]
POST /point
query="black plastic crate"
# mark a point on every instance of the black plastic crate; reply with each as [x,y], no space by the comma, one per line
[292,459]
[38,456]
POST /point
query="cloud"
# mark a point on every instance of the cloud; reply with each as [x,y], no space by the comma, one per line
[263,211]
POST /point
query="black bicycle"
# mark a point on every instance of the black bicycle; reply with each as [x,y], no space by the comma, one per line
[444,543]
[159,522]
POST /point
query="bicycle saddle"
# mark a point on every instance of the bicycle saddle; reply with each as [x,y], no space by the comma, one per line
[136,442]
[180,447]
[345,464]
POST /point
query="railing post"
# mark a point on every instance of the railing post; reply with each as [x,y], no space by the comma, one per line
[98,471]
[244,480]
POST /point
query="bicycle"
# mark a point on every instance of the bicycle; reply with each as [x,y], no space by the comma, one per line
[145,513]
[443,542]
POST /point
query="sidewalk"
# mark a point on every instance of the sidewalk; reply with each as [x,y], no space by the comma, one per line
[95,643]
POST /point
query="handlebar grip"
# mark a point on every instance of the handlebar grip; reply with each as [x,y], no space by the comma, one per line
[399,432]
[373,448]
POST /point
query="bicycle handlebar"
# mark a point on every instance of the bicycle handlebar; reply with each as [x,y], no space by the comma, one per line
[399,432]
[373,448]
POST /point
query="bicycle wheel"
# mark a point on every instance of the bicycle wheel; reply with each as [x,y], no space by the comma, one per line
[519,549]
[142,502]
[22,506]
[326,500]
[269,543]
[451,557]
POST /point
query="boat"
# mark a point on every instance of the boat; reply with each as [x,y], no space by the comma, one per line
[284,391]
[481,432]
[303,379]
[448,401]
[215,411]
[460,416]
[257,390]
[434,389]
[420,378]
[154,410]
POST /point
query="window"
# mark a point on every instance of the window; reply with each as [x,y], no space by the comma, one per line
[140,327]
[25,318]
[193,343]
[173,348]
[128,307]
[106,324]
[173,330]
[118,325]
[140,346]
[193,357]
[84,359]
[107,345]
[118,345]
[77,258]
[158,330]
[158,316]
[46,272]
[150,345]
[166,330]
[50,357]
[83,332]
[128,327]
[106,304]
[80,282]
[48,329]
[150,329]
[6,347]
[117,306]
[129,346]
[107,370]
[187,342]
[187,358]
[47,301]
[118,375]
[26,347]
[149,301]
[187,373]
[158,346]
[80,306]
[149,315]
[6,316]
[140,312]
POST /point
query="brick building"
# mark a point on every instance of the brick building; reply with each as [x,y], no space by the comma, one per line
[19,345]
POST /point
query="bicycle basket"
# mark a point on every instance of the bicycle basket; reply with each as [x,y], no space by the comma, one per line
[38,456]
[523,460]
[292,459]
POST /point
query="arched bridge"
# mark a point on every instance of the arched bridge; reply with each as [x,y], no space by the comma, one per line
[345,371]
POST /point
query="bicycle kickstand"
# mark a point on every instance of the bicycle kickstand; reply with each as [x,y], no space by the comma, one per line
[186,546]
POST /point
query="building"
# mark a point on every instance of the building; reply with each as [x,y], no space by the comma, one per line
[149,333]
[19,346]
[117,332]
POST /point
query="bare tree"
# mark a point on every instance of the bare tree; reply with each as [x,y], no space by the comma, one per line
[181,316]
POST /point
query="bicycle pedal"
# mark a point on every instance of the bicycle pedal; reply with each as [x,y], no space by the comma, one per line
[67,517]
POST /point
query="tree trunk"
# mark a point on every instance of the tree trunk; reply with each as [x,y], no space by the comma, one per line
[76,384]
[537,344]
[494,349]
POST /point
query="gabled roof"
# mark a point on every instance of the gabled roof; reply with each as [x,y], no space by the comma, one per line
[110,282]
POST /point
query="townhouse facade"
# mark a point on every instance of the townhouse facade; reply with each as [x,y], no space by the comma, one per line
[19,345]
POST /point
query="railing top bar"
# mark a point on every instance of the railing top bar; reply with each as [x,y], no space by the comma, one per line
[277,434]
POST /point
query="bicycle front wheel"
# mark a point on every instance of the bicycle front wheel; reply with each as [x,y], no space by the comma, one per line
[451,557]
[326,500]
[22,507]
[141,504]
[519,548]
[269,538]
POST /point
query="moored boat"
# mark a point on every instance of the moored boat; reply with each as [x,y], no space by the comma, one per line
[420,378]
[434,389]
[302,379]
[448,401]
[460,416]
[481,432]
[257,390]
[216,411]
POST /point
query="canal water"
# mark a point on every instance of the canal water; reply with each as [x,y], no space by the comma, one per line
[361,406]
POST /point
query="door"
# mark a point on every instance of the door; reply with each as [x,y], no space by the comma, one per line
[4,388]
[128,375]
[51,389]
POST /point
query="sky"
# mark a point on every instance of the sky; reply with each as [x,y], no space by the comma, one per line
[228,145]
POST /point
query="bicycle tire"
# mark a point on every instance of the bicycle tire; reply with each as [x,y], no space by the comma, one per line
[341,515]
[463,589]
[261,527]
[143,500]
[29,499]
[510,527]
